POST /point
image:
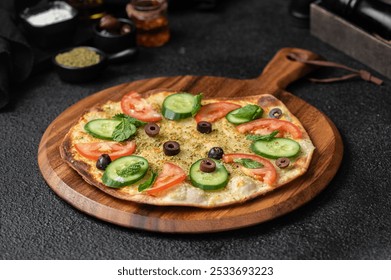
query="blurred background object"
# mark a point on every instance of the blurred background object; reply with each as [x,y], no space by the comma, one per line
[89,9]
[337,24]
[201,5]
[150,17]
[113,34]
[50,24]
[374,16]
[85,63]
[300,12]
[16,55]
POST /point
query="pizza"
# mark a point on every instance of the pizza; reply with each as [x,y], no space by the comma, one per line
[180,149]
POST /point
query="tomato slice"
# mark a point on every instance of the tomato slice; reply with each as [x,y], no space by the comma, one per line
[134,105]
[170,176]
[113,149]
[267,173]
[267,126]
[215,111]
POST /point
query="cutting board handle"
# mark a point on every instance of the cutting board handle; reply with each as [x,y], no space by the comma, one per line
[281,70]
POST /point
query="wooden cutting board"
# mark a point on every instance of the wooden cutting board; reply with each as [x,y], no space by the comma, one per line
[279,73]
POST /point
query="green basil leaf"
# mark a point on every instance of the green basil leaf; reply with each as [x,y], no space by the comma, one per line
[148,183]
[267,137]
[197,104]
[130,169]
[123,131]
[119,116]
[248,163]
[130,119]
[249,112]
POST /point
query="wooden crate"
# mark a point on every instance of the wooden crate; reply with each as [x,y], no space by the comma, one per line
[350,39]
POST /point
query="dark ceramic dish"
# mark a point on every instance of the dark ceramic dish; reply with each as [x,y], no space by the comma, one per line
[51,35]
[83,74]
[112,43]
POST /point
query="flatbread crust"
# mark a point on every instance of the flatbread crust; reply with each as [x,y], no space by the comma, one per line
[194,146]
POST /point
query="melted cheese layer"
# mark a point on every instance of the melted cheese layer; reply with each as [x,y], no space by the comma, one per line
[194,146]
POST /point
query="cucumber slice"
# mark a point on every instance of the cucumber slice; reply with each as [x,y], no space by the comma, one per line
[178,106]
[125,171]
[215,180]
[245,114]
[276,148]
[101,128]
[232,119]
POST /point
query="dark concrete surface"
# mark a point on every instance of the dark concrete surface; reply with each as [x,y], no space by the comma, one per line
[350,219]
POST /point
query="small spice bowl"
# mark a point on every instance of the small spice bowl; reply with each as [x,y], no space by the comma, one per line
[50,25]
[92,69]
[115,42]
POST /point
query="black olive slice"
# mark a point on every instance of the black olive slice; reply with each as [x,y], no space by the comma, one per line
[283,162]
[152,129]
[204,127]
[103,161]
[171,148]
[275,113]
[216,153]
[207,165]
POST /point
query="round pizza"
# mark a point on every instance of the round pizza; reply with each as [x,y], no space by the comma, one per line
[178,148]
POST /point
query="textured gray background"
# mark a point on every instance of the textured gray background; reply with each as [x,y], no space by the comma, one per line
[350,219]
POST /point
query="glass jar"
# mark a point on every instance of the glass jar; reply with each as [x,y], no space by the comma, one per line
[150,17]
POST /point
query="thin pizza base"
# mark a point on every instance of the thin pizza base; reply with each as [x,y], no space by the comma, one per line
[194,146]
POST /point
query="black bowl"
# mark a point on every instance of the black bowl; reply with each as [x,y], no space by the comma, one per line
[80,74]
[83,74]
[112,43]
[51,35]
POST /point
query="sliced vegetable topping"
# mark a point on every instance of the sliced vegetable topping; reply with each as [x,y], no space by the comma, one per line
[181,105]
[216,153]
[125,171]
[171,175]
[267,173]
[113,149]
[209,181]
[117,129]
[134,105]
[245,114]
[152,129]
[275,113]
[102,128]
[266,126]
[123,130]
[197,105]
[266,137]
[207,165]
[134,121]
[283,162]
[148,182]
[204,127]
[215,111]
[276,148]
[103,161]
[248,163]
[171,148]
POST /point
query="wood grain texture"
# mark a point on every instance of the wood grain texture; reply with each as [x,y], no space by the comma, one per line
[327,157]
